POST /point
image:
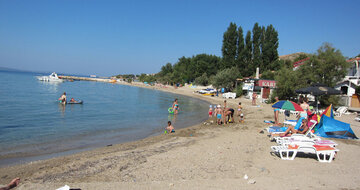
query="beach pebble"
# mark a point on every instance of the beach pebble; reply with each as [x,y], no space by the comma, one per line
[246,177]
[251,181]
[171,184]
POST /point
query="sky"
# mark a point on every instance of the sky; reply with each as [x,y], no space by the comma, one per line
[110,37]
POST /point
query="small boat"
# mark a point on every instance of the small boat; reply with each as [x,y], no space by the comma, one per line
[51,78]
[76,102]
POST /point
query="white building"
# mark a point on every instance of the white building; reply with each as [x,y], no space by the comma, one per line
[350,82]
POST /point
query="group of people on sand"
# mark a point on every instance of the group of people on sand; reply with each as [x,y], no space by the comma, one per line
[225,115]
[305,119]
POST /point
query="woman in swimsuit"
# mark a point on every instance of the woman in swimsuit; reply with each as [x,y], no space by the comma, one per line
[175,106]
[276,112]
[305,107]
[302,130]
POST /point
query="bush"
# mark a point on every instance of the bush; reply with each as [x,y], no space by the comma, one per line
[239,91]
[202,80]
[226,78]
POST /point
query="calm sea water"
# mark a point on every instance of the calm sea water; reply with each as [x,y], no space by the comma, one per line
[33,125]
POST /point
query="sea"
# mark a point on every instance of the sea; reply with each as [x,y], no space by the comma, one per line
[33,125]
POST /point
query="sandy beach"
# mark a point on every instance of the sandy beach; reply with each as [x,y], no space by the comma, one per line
[205,156]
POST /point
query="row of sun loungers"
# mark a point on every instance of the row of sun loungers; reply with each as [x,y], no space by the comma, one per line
[289,147]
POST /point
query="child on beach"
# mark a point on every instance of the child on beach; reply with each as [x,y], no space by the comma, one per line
[218,113]
[241,120]
[175,106]
[239,111]
[210,111]
[170,128]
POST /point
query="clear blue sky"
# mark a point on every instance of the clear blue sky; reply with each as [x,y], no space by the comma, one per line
[106,37]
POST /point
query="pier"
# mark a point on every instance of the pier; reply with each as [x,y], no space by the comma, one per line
[86,78]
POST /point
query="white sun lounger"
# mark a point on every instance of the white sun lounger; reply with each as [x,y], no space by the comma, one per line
[323,153]
[305,141]
[307,135]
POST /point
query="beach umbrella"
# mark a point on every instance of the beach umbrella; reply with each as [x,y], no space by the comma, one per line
[287,105]
[318,89]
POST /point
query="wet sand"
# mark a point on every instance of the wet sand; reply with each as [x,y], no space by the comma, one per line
[205,156]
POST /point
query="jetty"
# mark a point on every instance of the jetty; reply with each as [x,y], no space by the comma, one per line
[87,78]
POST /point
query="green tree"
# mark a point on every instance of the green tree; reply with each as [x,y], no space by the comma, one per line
[249,69]
[285,83]
[269,48]
[270,75]
[166,69]
[256,40]
[327,66]
[229,47]
[226,78]
[240,58]
[202,80]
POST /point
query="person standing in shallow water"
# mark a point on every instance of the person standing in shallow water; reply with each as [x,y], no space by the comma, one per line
[175,106]
[63,98]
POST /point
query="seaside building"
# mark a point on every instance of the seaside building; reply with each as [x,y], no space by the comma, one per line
[262,87]
[349,84]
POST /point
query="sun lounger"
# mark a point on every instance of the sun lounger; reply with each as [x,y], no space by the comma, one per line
[304,141]
[307,135]
[323,153]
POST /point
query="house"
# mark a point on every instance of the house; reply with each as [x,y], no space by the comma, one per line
[349,83]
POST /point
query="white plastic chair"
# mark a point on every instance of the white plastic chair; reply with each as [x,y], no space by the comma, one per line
[341,110]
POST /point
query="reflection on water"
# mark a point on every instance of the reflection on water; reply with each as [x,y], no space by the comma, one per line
[52,87]
[62,108]
[172,118]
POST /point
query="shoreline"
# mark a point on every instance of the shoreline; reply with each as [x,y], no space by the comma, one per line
[198,157]
[13,159]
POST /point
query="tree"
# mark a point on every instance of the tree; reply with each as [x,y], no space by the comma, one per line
[240,58]
[257,32]
[270,75]
[226,78]
[327,66]
[166,69]
[202,80]
[285,83]
[269,47]
[249,69]
[229,46]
